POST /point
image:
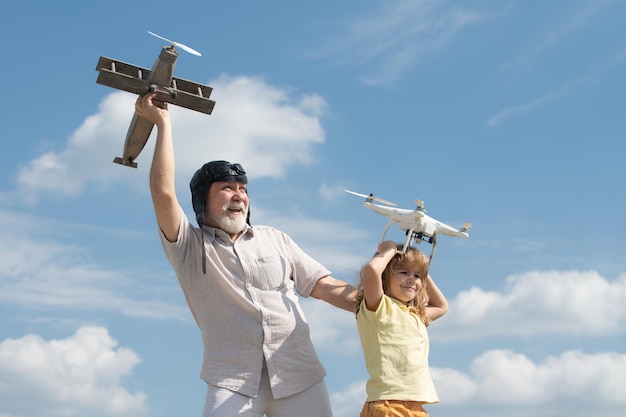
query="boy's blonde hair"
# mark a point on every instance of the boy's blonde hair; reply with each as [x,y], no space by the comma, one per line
[412,257]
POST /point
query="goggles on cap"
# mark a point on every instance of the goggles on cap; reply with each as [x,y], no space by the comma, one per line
[223,170]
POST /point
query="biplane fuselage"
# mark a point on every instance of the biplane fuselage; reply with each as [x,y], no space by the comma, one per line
[159,79]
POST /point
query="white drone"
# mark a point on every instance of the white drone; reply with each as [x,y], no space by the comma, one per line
[417,225]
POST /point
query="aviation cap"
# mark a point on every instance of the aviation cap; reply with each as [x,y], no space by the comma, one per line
[208,174]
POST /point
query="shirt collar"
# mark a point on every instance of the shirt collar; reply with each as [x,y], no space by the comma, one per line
[212,233]
[400,303]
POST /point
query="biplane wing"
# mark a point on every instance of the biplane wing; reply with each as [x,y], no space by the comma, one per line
[137,80]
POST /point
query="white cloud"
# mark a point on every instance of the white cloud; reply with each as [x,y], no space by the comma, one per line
[589,78]
[392,38]
[535,103]
[348,403]
[332,329]
[503,382]
[575,380]
[330,242]
[81,375]
[568,303]
[40,272]
[332,193]
[556,33]
[268,128]
[453,386]
[86,157]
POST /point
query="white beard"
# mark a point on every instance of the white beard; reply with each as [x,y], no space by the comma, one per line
[232,224]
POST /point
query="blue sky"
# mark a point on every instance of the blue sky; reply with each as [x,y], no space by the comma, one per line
[506,114]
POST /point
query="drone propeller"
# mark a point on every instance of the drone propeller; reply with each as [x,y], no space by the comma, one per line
[371,198]
[466,227]
[180,45]
[420,204]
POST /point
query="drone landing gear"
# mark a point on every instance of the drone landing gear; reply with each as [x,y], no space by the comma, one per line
[421,237]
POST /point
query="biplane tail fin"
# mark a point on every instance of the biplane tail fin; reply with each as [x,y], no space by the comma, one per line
[125,162]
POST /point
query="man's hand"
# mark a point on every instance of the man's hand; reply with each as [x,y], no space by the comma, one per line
[148,107]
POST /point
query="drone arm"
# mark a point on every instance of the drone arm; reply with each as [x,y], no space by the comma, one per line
[390,223]
[409,238]
[432,251]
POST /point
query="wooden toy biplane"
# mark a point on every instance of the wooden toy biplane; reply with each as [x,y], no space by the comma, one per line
[159,79]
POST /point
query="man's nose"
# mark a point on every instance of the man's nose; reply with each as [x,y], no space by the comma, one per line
[239,195]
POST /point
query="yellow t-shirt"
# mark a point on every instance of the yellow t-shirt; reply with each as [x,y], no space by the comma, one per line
[395,346]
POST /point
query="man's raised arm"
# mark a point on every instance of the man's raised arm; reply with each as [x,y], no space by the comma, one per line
[162,186]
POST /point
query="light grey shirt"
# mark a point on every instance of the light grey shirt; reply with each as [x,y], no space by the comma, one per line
[247,308]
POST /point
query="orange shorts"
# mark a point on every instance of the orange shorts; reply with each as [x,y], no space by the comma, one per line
[393,408]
